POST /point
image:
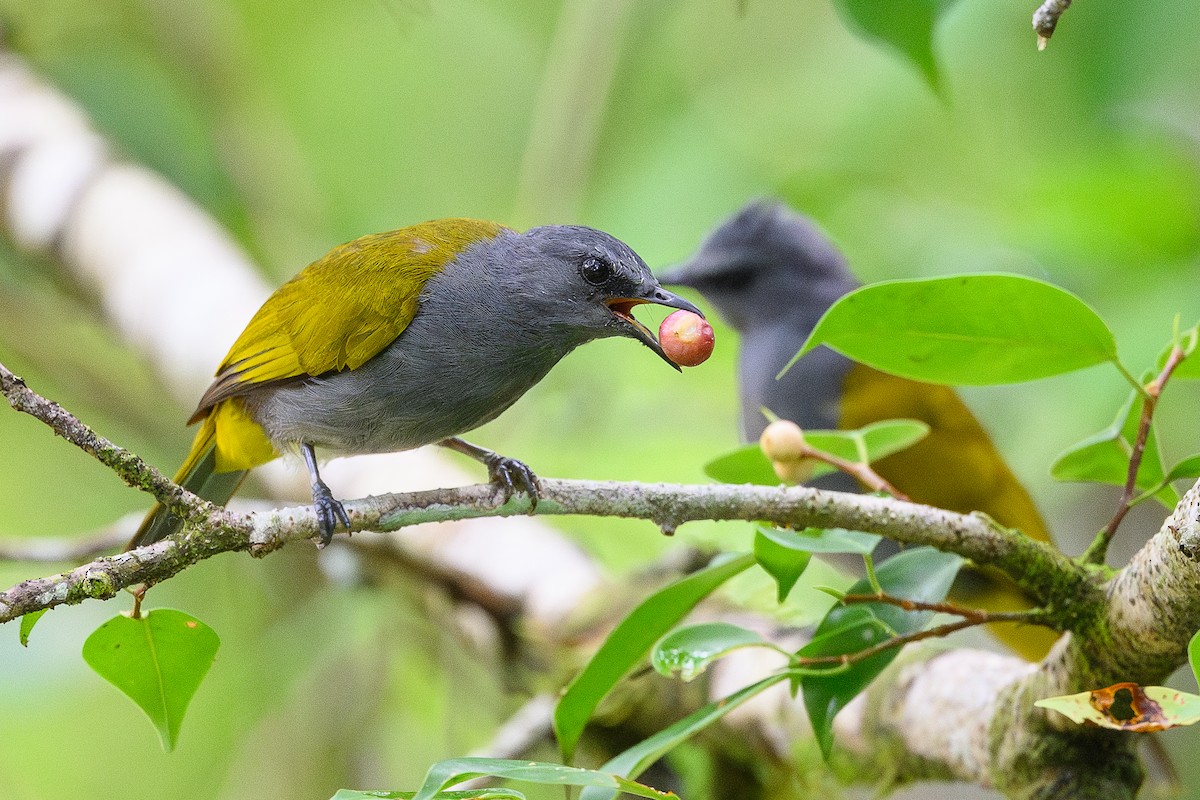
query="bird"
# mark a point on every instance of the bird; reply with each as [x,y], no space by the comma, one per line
[407,338]
[771,273]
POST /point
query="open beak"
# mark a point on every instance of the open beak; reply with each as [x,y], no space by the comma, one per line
[622,308]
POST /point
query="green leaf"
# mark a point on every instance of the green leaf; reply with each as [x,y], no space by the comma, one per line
[784,564]
[629,643]
[634,761]
[27,623]
[744,465]
[1187,468]
[966,329]
[891,436]
[474,794]
[879,439]
[690,650]
[822,540]
[1103,457]
[921,574]
[158,661]
[1189,368]
[1194,656]
[456,770]
[907,27]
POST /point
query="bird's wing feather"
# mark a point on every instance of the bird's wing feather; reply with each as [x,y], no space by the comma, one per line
[342,309]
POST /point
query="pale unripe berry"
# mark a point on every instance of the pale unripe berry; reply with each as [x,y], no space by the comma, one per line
[783,440]
[795,471]
[686,338]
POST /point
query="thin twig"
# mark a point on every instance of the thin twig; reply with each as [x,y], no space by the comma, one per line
[62,549]
[856,469]
[130,468]
[978,615]
[936,631]
[1045,20]
[1096,552]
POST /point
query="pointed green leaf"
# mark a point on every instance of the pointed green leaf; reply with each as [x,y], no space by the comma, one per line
[891,436]
[631,641]
[745,465]
[27,623]
[1103,457]
[921,574]
[906,27]
[158,661]
[636,759]
[1194,656]
[1187,468]
[784,564]
[690,650]
[822,540]
[456,770]
[966,329]
[1189,368]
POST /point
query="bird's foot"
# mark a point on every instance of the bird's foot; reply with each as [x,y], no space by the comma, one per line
[510,475]
[329,513]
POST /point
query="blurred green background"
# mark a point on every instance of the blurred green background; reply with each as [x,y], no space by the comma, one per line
[303,125]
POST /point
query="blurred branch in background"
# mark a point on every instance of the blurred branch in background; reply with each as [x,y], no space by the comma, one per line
[572,102]
[178,289]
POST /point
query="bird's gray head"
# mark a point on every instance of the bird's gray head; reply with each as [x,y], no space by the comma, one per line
[763,263]
[572,283]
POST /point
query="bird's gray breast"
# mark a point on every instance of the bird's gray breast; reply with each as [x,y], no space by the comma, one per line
[468,354]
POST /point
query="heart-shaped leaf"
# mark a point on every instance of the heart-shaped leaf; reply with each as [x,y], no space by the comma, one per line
[158,660]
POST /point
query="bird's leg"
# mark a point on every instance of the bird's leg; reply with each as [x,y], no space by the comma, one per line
[329,510]
[508,474]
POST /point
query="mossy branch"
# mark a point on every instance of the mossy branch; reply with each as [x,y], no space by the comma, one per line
[209,529]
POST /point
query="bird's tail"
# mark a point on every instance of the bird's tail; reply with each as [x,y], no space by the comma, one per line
[199,476]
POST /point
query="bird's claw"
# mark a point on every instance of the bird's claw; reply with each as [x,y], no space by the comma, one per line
[510,475]
[329,513]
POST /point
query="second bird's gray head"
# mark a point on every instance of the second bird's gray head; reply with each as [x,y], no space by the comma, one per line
[573,284]
[764,264]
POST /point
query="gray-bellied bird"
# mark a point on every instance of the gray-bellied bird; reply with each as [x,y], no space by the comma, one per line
[771,273]
[407,338]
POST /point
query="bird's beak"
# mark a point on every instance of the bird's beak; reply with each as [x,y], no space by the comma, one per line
[622,308]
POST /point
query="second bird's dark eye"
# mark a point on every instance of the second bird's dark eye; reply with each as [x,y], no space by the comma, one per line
[595,270]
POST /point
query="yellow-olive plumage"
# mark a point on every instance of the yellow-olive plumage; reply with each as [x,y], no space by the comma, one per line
[406,338]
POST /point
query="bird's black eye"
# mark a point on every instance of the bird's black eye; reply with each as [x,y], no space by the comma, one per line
[595,271]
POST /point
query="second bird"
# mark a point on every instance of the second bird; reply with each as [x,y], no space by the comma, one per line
[771,273]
